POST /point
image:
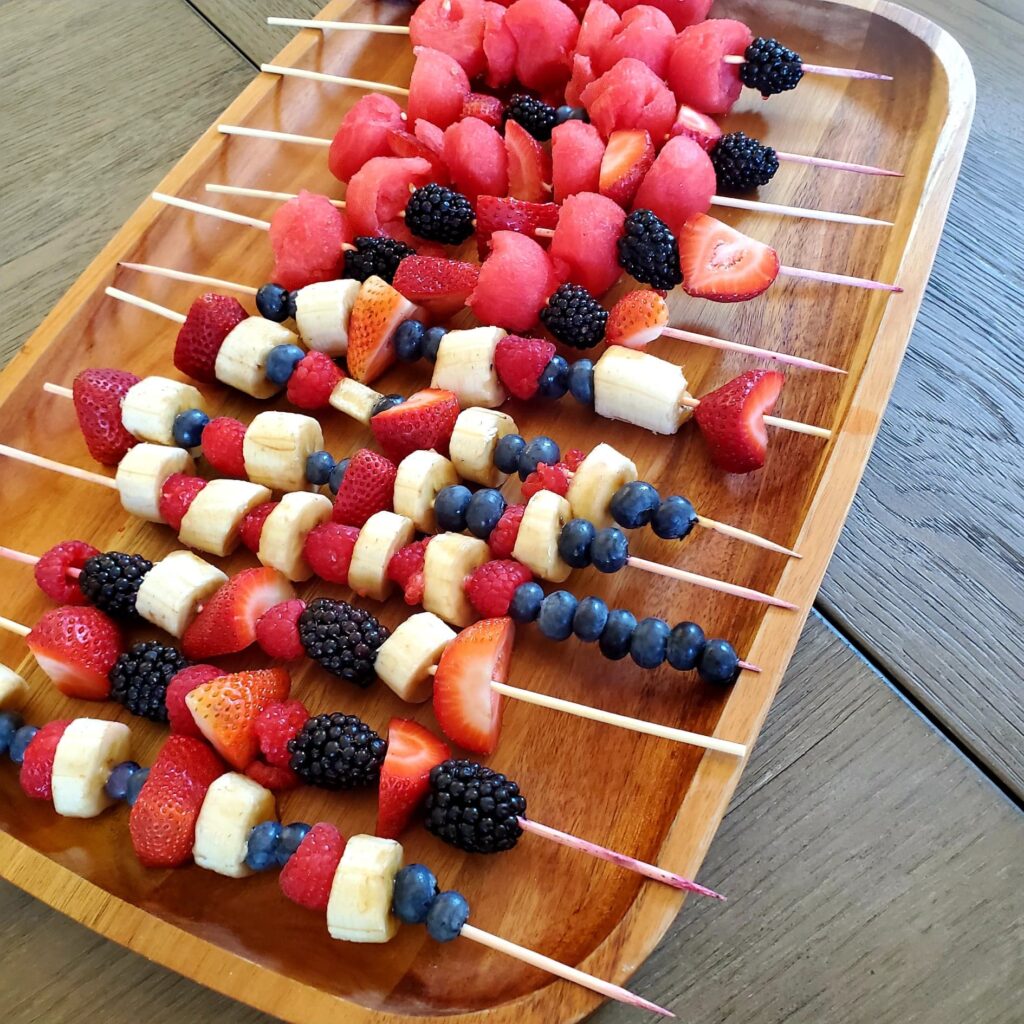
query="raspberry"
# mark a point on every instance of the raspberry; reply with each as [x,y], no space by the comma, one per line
[309,874]
[181,685]
[51,571]
[276,725]
[366,488]
[277,630]
[313,380]
[277,780]
[252,525]
[491,586]
[222,446]
[489,109]
[98,395]
[573,459]
[37,769]
[179,491]
[328,549]
[519,363]
[503,537]
[547,478]
[406,569]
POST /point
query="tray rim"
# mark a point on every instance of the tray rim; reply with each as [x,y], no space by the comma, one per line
[643,925]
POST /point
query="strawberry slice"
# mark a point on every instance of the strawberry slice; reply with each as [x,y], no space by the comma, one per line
[440,286]
[226,710]
[36,776]
[489,109]
[627,158]
[405,775]
[228,622]
[211,318]
[423,421]
[376,314]
[77,647]
[367,487]
[495,213]
[97,396]
[721,264]
[529,165]
[467,708]
[406,145]
[699,127]
[637,319]
[731,418]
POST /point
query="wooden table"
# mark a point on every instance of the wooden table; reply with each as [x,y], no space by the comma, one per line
[876,844]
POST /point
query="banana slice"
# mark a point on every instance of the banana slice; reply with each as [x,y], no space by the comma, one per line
[404,660]
[149,408]
[449,559]
[284,533]
[354,399]
[599,476]
[141,476]
[13,690]
[641,389]
[215,516]
[275,448]
[420,476]
[85,756]
[476,435]
[465,365]
[359,909]
[233,806]
[242,358]
[171,592]
[537,542]
[381,536]
[321,314]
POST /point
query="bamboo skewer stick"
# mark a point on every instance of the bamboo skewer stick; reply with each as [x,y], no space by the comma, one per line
[58,467]
[24,558]
[184,275]
[776,421]
[821,69]
[836,165]
[151,307]
[187,204]
[14,627]
[320,76]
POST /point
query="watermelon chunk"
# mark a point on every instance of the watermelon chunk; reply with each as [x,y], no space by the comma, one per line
[455,27]
[363,134]
[515,282]
[583,74]
[441,286]
[679,184]
[576,153]
[630,95]
[585,245]
[380,191]
[476,158]
[405,144]
[681,13]
[437,89]
[499,47]
[644,33]
[545,32]
[599,24]
[306,236]
[696,72]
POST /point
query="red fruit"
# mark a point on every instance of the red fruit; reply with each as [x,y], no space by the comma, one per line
[576,153]
[585,246]
[497,213]
[433,138]
[309,874]
[455,27]
[222,446]
[490,586]
[51,571]
[315,376]
[629,95]
[228,622]
[178,492]
[367,487]
[500,49]
[573,459]
[476,157]
[467,708]
[731,419]
[437,88]
[328,549]
[181,685]
[275,726]
[97,396]
[680,12]
[597,27]
[503,537]
[226,709]
[583,74]
[163,820]
[440,286]
[626,160]
[546,478]
[379,191]
[376,314]
[644,33]
[76,648]
[423,421]
[252,525]
[406,569]
[363,134]
[529,165]
[269,776]
[515,282]
[36,776]
[637,319]
[488,109]
[679,184]
[424,145]
[720,263]
[306,234]
[405,775]
[545,32]
[277,630]
[211,318]
[696,72]
[519,362]
[699,127]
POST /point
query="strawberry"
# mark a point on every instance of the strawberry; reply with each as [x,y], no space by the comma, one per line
[489,109]
[440,286]
[163,821]
[76,648]
[309,874]
[637,319]
[467,708]
[226,710]
[178,492]
[494,213]
[313,380]
[503,537]
[699,127]
[52,571]
[36,777]
[423,421]
[367,487]
[270,776]
[627,158]
[529,165]
[490,586]
[276,725]
[97,396]
[405,775]
[721,264]
[222,446]
[519,362]
[179,718]
[328,549]
[277,630]
[228,622]
[376,314]
[731,418]
[405,144]
[406,569]
[252,525]
[211,318]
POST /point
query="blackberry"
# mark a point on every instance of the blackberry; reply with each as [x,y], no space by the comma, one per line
[742,163]
[140,676]
[375,256]
[533,114]
[440,214]
[111,582]
[574,316]
[770,67]
[473,808]
[342,638]
[337,751]
[649,251]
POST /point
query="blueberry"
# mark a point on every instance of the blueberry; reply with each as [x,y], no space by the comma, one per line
[10,723]
[408,341]
[288,843]
[609,550]
[590,619]
[633,505]
[553,381]
[116,786]
[134,787]
[675,518]
[581,381]
[415,892]
[507,452]
[526,602]
[384,403]
[618,632]
[319,467]
[567,113]
[685,646]
[540,449]
[281,363]
[556,615]
[188,428]
[261,851]
[719,663]
[650,640]
[574,542]
[447,914]
[337,475]
[431,342]
[484,511]
[273,303]
[450,507]
[20,741]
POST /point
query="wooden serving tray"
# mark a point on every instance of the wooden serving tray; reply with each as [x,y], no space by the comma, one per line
[651,798]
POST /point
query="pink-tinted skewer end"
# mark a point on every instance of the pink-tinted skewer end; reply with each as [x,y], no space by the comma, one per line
[822,69]
[853,282]
[748,667]
[837,165]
